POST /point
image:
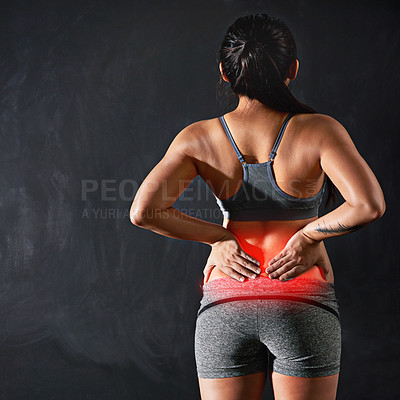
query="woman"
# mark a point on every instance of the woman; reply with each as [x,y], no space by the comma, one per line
[268,295]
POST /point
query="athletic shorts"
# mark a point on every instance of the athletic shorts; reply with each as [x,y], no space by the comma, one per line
[291,327]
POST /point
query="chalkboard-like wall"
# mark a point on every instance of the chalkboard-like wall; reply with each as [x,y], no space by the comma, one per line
[91,95]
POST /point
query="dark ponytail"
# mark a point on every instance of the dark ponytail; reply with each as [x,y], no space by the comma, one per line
[256,54]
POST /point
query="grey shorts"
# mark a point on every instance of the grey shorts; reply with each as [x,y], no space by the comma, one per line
[291,327]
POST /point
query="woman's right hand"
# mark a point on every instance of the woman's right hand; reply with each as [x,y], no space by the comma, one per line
[227,255]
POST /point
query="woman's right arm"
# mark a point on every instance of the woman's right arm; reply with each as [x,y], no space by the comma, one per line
[364,200]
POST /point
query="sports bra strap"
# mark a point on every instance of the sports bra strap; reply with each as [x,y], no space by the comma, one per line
[274,148]
[228,133]
[280,134]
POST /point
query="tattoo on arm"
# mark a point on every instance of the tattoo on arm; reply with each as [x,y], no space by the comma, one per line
[341,228]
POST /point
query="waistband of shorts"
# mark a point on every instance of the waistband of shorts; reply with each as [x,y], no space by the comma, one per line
[263,283]
[313,290]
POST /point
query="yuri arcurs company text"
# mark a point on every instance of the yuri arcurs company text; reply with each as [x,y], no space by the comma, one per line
[108,199]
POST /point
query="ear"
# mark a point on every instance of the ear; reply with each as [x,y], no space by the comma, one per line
[223,73]
[293,69]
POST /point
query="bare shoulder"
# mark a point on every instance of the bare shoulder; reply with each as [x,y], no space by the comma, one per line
[194,138]
[324,129]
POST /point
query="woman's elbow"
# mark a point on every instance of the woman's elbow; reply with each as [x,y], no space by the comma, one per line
[138,216]
[377,210]
[145,217]
[381,210]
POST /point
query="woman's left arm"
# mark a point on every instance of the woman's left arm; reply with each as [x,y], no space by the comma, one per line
[152,206]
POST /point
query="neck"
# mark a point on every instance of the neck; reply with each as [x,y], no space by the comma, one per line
[248,106]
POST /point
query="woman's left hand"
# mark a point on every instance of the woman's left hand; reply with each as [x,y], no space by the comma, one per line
[299,254]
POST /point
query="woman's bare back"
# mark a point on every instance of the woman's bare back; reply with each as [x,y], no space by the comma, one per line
[296,169]
[296,165]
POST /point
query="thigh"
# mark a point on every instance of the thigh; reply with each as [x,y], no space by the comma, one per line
[296,388]
[245,387]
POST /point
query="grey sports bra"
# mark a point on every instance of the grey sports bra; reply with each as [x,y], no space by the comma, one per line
[259,198]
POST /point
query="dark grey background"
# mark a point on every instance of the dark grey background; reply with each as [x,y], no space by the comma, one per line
[92,94]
